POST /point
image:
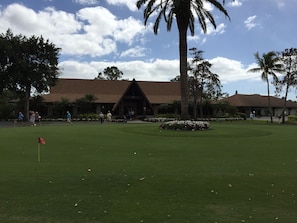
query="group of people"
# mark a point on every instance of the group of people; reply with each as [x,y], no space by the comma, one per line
[101,117]
[34,118]
[108,116]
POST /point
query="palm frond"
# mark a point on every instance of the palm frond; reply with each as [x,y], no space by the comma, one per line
[220,7]
[192,24]
[170,19]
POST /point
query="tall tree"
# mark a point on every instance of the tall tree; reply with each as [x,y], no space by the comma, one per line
[112,73]
[203,84]
[184,11]
[268,64]
[289,80]
[32,65]
[5,51]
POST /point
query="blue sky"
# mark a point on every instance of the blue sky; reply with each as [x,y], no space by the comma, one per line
[95,34]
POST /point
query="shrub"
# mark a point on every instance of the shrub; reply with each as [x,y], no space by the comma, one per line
[90,116]
[170,115]
[292,119]
[241,115]
[159,119]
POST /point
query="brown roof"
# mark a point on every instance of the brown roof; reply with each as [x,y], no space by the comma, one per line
[256,100]
[108,91]
[160,92]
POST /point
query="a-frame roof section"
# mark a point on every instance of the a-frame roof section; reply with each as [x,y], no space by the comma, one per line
[256,100]
[106,91]
[133,90]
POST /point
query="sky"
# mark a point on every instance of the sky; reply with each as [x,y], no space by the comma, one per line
[95,34]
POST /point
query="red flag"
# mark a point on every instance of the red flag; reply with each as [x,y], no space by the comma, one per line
[41,140]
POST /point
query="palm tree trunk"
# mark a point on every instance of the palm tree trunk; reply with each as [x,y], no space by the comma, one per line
[269,103]
[183,48]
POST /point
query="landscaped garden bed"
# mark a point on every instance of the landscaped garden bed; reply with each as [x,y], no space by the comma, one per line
[185,125]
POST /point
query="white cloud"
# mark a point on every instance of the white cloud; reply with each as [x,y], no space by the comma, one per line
[193,38]
[158,70]
[134,52]
[220,29]
[97,21]
[75,69]
[128,29]
[235,3]
[250,22]
[208,6]
[232,70]
[93,31]
[48,22]
[131,4]
[211,31]
[87,2]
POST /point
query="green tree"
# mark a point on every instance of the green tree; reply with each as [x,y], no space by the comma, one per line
[203,84]
[3,63]
[61,107]
[5,52]
[110,73]
[289,80]
[268,64]
[32,64]
[184,12]
[85,104]
[99,77]
[37,104]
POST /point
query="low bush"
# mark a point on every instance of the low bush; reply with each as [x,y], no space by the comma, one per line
[241,115]
[89,116]
[292,119]
[159,119]
[169,115]
[185,125]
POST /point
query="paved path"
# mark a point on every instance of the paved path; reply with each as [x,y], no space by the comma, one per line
[12,124]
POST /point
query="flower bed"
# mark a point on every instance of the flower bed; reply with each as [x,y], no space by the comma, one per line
[185,125]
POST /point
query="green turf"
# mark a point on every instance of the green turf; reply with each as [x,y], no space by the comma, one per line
[235,172]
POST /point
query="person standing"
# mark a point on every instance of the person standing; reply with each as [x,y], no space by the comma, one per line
[68,117]
[21,118]
[32,118]
[251,116]
[37,118]
[101,116]
[109,116]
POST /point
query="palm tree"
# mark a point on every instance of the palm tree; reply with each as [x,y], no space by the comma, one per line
[268,64]
[184,12]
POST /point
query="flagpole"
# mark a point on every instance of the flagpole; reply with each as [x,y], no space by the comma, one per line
[40,141]
[38,152]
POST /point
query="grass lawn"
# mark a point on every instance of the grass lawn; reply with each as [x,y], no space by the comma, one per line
[235,172]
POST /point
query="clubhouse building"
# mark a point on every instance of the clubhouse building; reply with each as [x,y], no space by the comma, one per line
[143,98]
